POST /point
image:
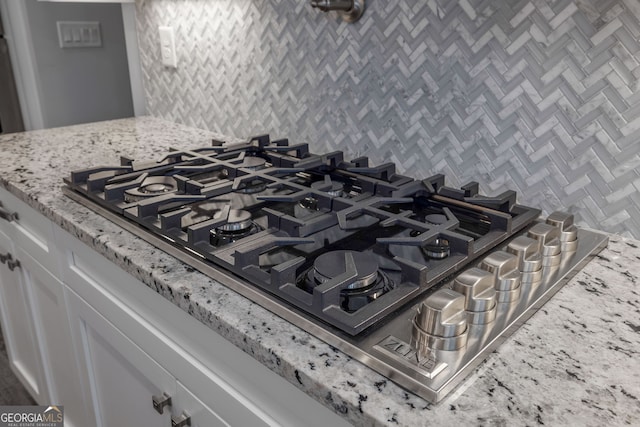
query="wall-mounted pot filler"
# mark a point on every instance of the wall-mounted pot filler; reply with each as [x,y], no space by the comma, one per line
[350,10]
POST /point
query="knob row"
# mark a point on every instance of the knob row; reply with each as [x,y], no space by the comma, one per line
[442,320]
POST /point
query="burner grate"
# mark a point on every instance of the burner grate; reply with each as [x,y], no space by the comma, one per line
[267,211]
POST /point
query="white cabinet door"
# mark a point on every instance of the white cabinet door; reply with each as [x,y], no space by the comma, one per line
[119,376]
[46,294]
[18,327]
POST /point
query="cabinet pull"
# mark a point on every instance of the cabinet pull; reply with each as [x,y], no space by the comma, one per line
[181,420]
[6,215]
[12,264]
[159,402]
[5,258]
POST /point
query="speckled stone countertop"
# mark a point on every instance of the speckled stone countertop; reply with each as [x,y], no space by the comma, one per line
[576,361]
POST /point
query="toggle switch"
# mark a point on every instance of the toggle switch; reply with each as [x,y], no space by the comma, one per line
[72,34]
[440,323]
[504,267]
[478,288]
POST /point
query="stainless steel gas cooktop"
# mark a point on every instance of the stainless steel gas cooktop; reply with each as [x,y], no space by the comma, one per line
[418,280]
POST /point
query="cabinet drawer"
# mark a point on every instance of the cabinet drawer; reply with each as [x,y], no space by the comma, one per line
[30,230]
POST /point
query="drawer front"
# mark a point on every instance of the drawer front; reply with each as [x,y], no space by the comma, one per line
[28,229]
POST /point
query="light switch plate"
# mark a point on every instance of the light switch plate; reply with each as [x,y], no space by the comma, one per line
[168,47]
[79,34]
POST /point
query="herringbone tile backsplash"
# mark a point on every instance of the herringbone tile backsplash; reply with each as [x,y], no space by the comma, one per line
[538,96]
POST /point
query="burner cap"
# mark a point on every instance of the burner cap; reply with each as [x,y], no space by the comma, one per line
[158,185]
[436,219]
[438,249]
[336,189]
[238,220]
[330,265]
[155,188]
[253,163]
[150,187]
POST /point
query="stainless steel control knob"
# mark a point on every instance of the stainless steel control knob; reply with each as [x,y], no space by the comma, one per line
[548,238]
[504,267]
[478,288]
[529,259]
[440,323]
[568,232]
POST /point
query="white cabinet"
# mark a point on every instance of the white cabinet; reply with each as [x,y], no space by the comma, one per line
[123,379]
[119,376]
[83,333]
[46,296]
[17,324]
[33,313]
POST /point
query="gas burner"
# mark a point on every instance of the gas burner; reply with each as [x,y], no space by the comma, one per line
[436,219]
[238,226]
[332,264]
[252,187]
[334,188]
[151,187]
[369,283]
[253,163]
[238,221]
[438,249]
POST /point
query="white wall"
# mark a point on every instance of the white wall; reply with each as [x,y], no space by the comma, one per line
[79,85]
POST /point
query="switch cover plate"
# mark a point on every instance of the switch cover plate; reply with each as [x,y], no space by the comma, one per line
[79,34]
[168,47]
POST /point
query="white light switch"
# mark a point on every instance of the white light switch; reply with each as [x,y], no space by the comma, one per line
[168,47]
[79,34]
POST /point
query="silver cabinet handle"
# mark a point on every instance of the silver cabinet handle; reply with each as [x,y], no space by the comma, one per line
[181,420]
[6,215]
[159,402]
[13,264]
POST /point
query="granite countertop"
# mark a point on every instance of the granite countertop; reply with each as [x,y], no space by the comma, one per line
[575,362]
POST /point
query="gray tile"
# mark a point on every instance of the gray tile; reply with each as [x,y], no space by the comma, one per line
[414,81]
